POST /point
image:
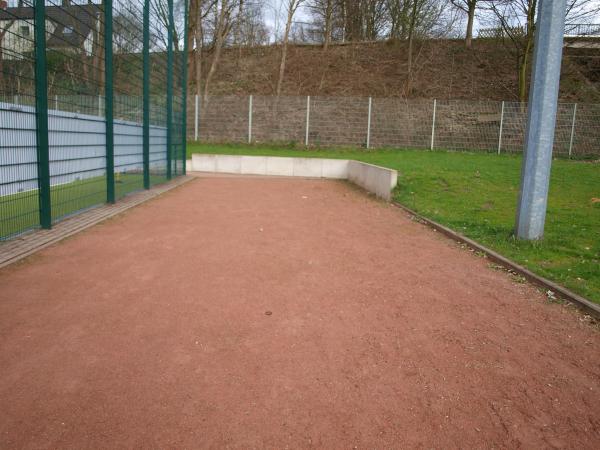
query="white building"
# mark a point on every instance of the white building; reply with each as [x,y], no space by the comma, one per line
[68,28]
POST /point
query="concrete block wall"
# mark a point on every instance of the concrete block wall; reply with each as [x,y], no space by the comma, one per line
[378,180]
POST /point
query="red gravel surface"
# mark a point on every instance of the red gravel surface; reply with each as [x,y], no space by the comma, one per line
[151,331]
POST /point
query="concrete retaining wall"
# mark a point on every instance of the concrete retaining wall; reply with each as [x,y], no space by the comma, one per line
[377,180]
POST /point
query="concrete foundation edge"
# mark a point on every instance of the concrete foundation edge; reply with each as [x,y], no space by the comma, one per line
[380,181]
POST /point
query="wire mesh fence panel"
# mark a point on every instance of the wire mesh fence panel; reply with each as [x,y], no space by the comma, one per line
[513,127]
[224,119]
[19,206]
[399,123]
[463,125]
[338,121]
[584,129]
[77,147]
[562,132]
[83,119]
[76,141]
[179,95]
[484,126]
[157,104]
[278,119]
[128,73]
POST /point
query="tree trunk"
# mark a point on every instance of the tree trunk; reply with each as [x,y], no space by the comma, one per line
[470,19]
[220,38]
[523,69]
[239,30]
[291,10]
[524,60]
[328,24]
[191,39]
[199,37]
[411,34]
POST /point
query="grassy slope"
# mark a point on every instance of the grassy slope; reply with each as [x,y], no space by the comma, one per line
[445,69]
[476,194]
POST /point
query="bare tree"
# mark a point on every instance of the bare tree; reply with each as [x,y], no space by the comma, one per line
[328,19]
[322,12]
[223,14]
[292,7]
[199,10]
[425,19]
[468,7]
[517,19]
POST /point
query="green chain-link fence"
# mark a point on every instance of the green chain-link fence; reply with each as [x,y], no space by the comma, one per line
[92,104]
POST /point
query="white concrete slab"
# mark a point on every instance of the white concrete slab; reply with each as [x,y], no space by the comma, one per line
[308,167]
[377,180]
[335,168]
[204,163]
[253,165]
[229,164]
[280,166]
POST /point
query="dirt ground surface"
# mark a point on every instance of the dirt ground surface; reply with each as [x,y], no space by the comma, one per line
[278,313]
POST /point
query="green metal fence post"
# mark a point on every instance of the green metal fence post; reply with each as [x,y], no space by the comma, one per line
[109,101]
[41,113]
[146,94]
[185,85]
[170,88]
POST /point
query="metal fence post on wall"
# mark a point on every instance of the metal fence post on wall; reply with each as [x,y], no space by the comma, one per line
[250,120]
[41,116]
[433,124]
[184,91]
[169,87]
[196,116]
[572,130]
[108,102]
[307,120]
[501,128]
[146,95]
[369,123]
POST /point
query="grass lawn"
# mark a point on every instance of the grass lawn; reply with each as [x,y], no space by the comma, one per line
[476,195]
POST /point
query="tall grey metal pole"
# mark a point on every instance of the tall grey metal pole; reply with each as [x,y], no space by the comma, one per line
[572,130]
[541,120]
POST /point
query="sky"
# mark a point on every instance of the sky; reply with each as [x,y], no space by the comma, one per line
[277,8]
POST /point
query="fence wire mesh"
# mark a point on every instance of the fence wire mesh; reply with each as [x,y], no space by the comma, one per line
[387,122]
[84,104]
